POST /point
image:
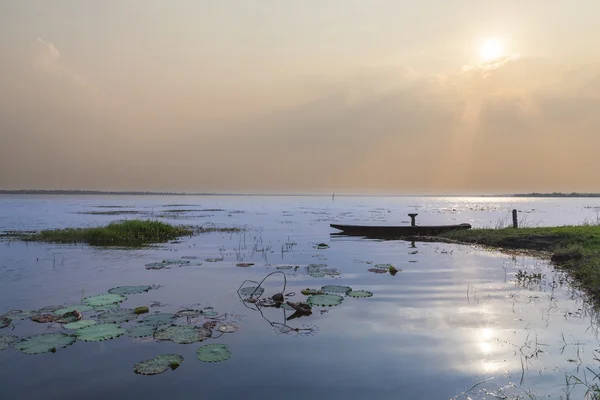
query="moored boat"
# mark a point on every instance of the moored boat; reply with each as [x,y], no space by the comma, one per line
[397,231]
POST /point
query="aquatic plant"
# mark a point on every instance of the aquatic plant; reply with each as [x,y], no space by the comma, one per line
[213,353]
[209,312]
[380,269]
[158,319]
[336,289]
[106,307]
[158,364]
[117,316]
[188,313]
[80,324]
[123,290]
[80,307]
[308,291]
[251,291]
[214,259]
[17,315]
[45,318]
[49,309]
[182,334]
[7,340]
[321,270]
[286,307]
[359,293]
[4,322]
[228,328]
[104,299]
[244,265]
[325,300]
[322,246]
[99,332]
[141,310]
[44,343]
[284,267]
[141,331]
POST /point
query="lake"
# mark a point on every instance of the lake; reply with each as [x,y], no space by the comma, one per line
[455,322]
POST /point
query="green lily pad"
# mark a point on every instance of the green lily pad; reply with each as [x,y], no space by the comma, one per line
[6,341]
[95,333]
[209,312]
[182,334]
[213,353]
[336,289]
[158,319]
[49,309]
[79,307]
[141,331]
[17,315]
[322,246]
[80,324]
[104,299]
[251,291]
[359,294]
[129,289]
[308,291]
[214,259]
[321,270]
[117,316]
[158,364]
[286,307]
[106,307]
[44,343]
[189,313]
[228,328]
[325,300]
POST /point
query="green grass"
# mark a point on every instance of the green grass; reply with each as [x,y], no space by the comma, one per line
[121,233]
[575,249]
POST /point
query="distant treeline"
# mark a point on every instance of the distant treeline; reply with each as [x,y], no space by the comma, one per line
[98,192]
[555,194]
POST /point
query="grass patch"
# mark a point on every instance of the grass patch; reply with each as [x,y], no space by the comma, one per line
[121,233]
[575,249]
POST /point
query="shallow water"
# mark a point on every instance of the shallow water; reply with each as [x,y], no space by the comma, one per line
[454,317]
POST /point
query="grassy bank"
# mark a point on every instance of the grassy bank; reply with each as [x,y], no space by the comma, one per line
[572,248]
[121,233]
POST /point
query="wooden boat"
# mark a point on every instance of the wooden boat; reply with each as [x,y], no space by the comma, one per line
[396,231]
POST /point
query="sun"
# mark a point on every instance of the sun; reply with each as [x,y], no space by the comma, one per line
[491,49]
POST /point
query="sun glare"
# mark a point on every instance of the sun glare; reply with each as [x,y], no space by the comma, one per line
[490,50]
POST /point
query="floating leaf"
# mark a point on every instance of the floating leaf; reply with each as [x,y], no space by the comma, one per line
[284,267]
[321,270]
[383,266]
[80,307]
[214,259]
[45,318]
[117,316]
[156,265]
[322,246]
[4,322]
[129,289]
[17,315]
[49,309]
[209,312]
[106,307]
[104,299]
[228,328]
[308,291]
[336,289]
[158,319]
[189,257]
[244,265]
[44,343]
[182,334]
[325,300]
[251,290]
[189,313]
[80,324]
[6,341]
[158,364]
[213,353]
[95,333]
[287,307]
[141,331]
[359,293]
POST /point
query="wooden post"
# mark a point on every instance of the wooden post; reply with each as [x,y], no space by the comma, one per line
[412,219]
[515,220]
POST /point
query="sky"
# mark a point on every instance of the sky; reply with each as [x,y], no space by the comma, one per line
[369,96]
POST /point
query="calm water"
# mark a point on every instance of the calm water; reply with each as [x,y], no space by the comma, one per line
[455,317]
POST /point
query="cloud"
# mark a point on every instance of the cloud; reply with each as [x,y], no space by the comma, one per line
[48,61]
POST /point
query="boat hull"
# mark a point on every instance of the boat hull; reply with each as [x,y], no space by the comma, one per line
[397,231]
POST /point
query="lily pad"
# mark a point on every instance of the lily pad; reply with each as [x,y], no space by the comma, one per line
[379,270]
[104,299]
[284,267]
[228,328]
[213,353]
[321,270]
[96,333]
[287,307]
[182,334]
[158,364]
[79,307]
[209,312]
[244,265]
[156,265]
[189,257]
[44,343]
[308,291]
[322,246]
[158,319]
[45,318]
[49,309]
[129,289]
[106,307]
[214,259]
[251,290]
[141,331]
[80,324]
[117,316]
[359,294]
[6,341]
[4,322]
[325,300]
[336,289]
[17,315]
[189,313]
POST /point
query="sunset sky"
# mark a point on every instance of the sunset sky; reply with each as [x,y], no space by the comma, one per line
[390,96]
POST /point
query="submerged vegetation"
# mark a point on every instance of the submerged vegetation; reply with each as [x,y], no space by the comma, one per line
[575,249]
[120,233]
